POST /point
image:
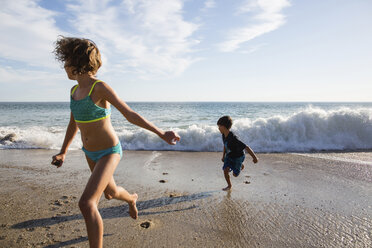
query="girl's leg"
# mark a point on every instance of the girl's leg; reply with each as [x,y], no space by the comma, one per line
[98,181]
[227,177]
[113,191]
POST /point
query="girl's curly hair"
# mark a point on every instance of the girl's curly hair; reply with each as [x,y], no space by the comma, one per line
[80,54]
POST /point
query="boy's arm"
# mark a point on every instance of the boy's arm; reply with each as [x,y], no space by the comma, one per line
[253,155]
[224,153]
[110,95]
[71,131]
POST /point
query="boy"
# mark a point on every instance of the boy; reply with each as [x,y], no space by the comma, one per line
[233,151]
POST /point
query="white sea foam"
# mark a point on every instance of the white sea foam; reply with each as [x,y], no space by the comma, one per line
[311,129]
[154,155]
[34,138]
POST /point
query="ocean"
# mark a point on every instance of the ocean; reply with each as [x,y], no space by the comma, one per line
[265,127]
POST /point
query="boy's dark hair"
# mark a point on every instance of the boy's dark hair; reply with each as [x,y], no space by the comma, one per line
[225,121]
[81,54]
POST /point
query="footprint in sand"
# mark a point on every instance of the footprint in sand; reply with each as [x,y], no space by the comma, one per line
[58,203]
[146,224]
[65,199]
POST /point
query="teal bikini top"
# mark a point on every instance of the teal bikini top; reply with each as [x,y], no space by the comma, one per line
[85,110]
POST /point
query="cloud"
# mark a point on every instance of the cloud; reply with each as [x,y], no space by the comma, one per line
[267,17]
[28,32]
[144,38]
[12,76]
[33,85]
[209,4]
[252,49]
[149,38]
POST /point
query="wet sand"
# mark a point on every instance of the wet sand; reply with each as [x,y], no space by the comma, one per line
[286,200]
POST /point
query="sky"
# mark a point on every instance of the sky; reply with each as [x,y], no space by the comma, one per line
[194,50]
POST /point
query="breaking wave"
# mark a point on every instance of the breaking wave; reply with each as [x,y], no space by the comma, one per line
[309,130]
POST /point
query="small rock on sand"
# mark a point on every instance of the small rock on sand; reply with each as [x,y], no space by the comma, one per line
[146,224]
[171,195]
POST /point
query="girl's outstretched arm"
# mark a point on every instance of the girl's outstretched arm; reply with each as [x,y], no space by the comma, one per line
[133,117]
[71,131]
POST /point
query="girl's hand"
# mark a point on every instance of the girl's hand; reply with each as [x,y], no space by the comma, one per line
[255,160]
[223,159]
[58,159]
[171,137]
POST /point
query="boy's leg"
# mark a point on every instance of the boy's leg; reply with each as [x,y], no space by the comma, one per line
[236,172]
[227,178]
[97,183]
[113,191]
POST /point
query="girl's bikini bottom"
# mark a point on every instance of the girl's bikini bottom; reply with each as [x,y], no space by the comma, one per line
[97,155]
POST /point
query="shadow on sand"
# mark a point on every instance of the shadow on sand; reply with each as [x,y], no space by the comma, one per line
[115,212]
[71,242]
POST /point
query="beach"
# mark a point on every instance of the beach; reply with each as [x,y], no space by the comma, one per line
[286,200]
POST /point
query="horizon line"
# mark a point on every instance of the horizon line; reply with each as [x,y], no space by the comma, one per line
[202,101]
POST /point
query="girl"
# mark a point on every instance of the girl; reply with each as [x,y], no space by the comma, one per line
[90,113]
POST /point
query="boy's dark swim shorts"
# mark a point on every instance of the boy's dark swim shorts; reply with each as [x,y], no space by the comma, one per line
[235,164]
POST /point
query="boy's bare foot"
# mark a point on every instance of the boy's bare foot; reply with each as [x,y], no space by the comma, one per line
[133,212]
[227,188]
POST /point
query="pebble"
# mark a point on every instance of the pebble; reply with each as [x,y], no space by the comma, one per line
[145,224]
[171,195]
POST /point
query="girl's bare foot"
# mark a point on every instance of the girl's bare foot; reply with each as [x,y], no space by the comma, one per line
[133,212]
[227,188]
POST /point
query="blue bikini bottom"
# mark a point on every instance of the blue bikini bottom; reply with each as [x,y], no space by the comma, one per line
[97,155]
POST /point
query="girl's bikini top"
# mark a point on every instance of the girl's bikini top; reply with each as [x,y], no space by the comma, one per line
[85,110]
